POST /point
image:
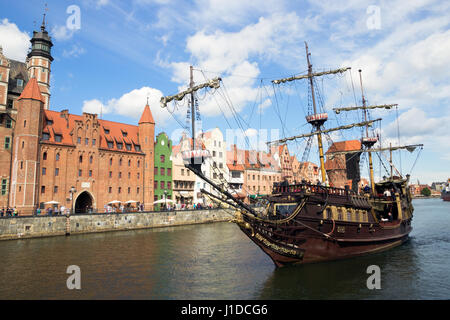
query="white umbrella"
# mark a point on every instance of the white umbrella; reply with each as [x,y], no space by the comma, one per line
[163,201]
[51,202]
[115,201]
[131,201]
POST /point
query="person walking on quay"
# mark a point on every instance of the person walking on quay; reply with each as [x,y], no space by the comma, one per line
[16,213]
[2,212]
[38,211]
[56,211]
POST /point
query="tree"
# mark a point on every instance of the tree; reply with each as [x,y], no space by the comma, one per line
[425,192]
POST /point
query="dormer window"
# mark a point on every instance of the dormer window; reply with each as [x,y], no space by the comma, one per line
[45,136]
[58,137]
[124,133]
[119,145]
[128,146]
[106,131]
[49,122]
[137,147]
[110,144]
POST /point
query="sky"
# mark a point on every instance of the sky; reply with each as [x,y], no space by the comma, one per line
[111,56]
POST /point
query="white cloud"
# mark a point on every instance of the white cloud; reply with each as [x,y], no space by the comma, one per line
[62,33]
[15,43]
[74,52]
[131,104]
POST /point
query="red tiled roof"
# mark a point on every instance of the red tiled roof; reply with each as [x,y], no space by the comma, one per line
[32,91]
[348,145]
[59,125]
[147,116]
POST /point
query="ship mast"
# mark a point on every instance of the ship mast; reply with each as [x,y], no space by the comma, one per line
[367,142]
[318,123]
[316,119]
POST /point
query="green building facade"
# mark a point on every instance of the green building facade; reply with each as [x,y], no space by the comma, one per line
[163,171]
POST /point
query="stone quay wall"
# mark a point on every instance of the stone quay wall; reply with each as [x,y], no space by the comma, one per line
[45,226]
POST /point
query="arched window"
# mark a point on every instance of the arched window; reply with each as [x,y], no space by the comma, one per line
[110,161]
[23,144]
[44,156]
[120,161]
[138,163]
[24,123]
[90,159]
[57,157]
[81,159]
[129,163]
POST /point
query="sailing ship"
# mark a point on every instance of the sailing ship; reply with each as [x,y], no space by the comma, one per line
[303,222]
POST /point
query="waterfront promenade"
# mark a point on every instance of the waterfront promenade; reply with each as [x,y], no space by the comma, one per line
[45,226]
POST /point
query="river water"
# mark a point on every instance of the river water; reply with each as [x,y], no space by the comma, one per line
[216,261]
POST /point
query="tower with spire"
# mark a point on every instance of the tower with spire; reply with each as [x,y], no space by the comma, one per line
[39,61]
[26,149]
[147,142]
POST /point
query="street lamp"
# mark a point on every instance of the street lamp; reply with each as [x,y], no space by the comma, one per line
[72,191]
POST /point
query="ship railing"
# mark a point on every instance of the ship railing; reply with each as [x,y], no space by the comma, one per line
[311,188]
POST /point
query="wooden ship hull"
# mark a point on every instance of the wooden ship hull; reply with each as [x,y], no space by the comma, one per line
[328,224]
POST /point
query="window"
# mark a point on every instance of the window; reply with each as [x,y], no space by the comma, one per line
[220,155]
[49,122]
[235,174]
[55,189]
[56,172]
[162,171]
[129,175]
[10,104]
[109,189]
[214,153]
[119,190]
[93,142]
[162,184]
[58,137]
[80,159]
[86,141]
[169,185]
[45,136]
[182,172]
[349,216]
[129,190]
[44,171]
[110,174]
[90,173]
[221,165]
[80,172]
[79,140]
[119,145]
[156,171]
[155,185]
[110,144]
[138,175]
[120,161]
[137,190]
[8,123]
[24,123]
[106,131]
[7,142]
[42,189]
[110,161]
[57,157]
[21,164]
[137,148]
[129,163]
[44,156]
[138,164]
[169,171]
[23,144]
[163,158]
[19,82]
[4,186]
[124,133]
[120,175]
[128,146]
[91,159]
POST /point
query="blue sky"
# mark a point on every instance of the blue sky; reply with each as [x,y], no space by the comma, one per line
[126,51]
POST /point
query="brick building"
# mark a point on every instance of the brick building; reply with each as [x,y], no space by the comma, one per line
[45,154]
[343,169]
[183,179]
